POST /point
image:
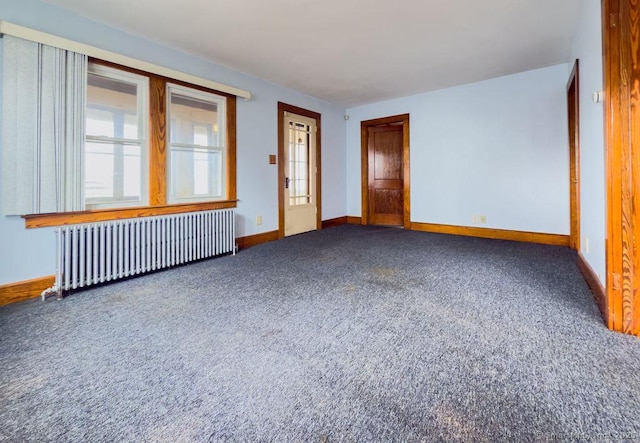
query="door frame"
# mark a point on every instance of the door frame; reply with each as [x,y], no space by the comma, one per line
[622,152]
[573,111]
[282,108]
[402,119]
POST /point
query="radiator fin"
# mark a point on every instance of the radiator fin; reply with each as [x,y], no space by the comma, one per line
[92,253]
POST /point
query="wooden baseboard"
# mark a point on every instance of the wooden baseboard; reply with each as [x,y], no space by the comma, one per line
[594,283]
[256,239]
[24,290]
[498,234]
[334,222]
[351,220]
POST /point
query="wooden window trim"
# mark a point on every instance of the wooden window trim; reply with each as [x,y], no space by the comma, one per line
[157,173]
[70,218]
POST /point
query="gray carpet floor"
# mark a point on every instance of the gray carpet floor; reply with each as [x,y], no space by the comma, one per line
[346,334]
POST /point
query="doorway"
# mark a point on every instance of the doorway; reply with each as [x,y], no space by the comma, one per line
[298,170]
[573,108]
[385,171]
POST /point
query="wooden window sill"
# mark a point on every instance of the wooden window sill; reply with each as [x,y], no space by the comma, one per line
[70,218]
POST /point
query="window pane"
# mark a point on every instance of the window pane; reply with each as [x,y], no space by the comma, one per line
[196,134]
[200,172]
[202,135]
[113,171]
[99,171]
[112,108]
[132,172]
[196,173]
[299,164]
[115,148]
[100,123]
[131,127]
[194,121]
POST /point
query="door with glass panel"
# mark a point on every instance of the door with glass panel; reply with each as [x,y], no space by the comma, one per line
[300,174]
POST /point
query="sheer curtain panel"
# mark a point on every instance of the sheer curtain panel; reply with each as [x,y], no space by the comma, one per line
[43,103]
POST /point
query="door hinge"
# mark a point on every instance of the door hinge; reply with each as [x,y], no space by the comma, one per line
[616,281]
[613,20]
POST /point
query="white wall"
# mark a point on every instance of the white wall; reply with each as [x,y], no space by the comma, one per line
[587,47]
[496,148]
[28,254]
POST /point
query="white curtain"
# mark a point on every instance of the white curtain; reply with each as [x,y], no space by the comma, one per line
[43,103]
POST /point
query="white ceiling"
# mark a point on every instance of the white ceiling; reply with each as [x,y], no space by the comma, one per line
[352,52]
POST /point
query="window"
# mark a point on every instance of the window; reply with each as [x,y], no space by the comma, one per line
[103,141]
[151,141]
[197,145]
[116,151]
[299,164]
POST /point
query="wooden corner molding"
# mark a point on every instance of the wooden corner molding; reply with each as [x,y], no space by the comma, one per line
[334,222]
[24,290]
[497,234]
[594,283]
[344,220]
[256,239]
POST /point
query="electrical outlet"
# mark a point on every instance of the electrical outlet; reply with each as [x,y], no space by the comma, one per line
[483,219]
[258,220]
[586,245]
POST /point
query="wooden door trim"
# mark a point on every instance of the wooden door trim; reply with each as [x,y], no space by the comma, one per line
[402,119]
[573,95]
[621,47]
[282,108]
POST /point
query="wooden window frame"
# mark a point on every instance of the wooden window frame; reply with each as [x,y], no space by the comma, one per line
[198,95]
[142,107]
[157,173]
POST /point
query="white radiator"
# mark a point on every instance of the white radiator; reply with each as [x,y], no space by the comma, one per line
[92,253]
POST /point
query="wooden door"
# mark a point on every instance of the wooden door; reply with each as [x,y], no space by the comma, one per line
[300,207]
[386,178]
